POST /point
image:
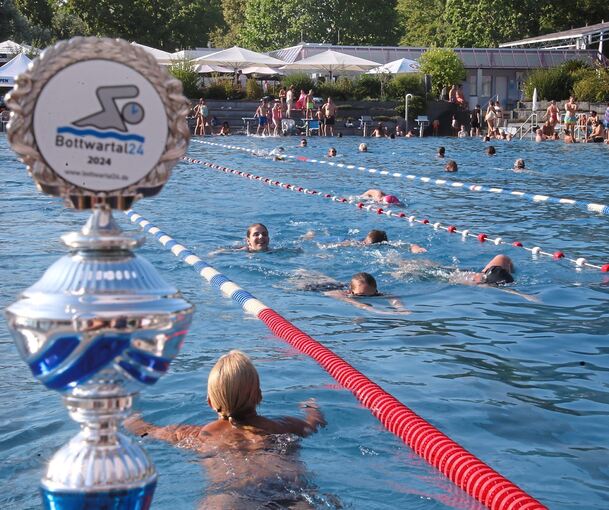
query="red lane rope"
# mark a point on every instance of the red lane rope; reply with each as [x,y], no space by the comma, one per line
[455,462]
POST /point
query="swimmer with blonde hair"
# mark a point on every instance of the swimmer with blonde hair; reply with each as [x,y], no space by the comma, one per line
[241,438]
[362,147]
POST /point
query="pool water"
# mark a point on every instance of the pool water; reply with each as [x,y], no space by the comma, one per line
[521,384]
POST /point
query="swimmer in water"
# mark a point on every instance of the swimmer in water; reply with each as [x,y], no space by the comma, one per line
[380,197]
[373,237]
[256,238]
[441,152]
[303,142]
[519,164]
[331,152]
[363,285]
[246,464]
[362,147]
[278,154]
[451,166]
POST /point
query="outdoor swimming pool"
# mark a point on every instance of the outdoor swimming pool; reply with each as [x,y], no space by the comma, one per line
[522,385]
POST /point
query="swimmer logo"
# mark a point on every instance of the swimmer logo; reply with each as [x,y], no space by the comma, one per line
[100,125]
[109,118]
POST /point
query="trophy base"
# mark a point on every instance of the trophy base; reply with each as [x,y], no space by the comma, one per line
[128,499]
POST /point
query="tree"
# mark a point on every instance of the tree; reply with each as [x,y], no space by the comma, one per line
[486,23]
[271,24]
[421,26]
[228,34]
[38,12]
[444,66]
[184,70]
[165,24]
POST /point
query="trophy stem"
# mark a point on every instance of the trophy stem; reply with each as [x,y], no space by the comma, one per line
[100,467]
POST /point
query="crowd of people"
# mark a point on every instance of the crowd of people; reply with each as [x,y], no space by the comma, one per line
[490,122]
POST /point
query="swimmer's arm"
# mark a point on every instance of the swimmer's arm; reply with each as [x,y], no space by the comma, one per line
[314,419]
[342,296]
[171,434]
[415,248]
[397,305]
[528,297]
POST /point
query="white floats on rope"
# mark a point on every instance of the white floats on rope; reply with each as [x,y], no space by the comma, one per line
[587,206]
[579,262]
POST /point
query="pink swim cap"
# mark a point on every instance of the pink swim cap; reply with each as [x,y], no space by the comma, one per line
[391,199]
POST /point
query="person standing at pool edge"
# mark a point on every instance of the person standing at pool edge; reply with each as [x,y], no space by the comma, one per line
[241,438]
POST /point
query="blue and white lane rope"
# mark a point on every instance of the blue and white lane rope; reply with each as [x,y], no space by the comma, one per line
[587,206]
[536,251]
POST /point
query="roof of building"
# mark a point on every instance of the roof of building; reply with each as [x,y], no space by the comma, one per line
[473,58]
[590,34]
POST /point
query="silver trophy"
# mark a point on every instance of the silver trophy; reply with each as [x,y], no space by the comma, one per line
[100,124]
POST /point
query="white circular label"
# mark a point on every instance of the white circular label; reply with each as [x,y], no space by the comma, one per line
[100,125]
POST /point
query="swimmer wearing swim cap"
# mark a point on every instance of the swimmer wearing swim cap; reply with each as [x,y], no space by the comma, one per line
[391,199]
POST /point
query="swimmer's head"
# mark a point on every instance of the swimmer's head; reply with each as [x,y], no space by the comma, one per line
[363,284]
[490,150]
[497,275]
[233,387]
[257,237]
[303,142]
[331,152]
[519,164]
[362,147]
[391,199]
[441,152]
[451,166]
[486,138]
[376,236]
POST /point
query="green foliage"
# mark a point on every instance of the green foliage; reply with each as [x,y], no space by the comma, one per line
[223,89]
[300,81]
[38,12]
[444,66]
[165,24]
[550,84]
[233,14]
[341,89]
[421,26]
[593,86]
[403,84]
[271,24]
[367,86]
[486,23]
[558,82]
[252,89]
[184,70]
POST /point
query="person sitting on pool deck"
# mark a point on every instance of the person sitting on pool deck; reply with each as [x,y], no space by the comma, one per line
[261,473]
[380,196]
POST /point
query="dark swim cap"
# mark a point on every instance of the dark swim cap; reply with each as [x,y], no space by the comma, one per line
[497,275]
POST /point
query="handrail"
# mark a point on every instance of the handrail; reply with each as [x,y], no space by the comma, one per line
[533,122]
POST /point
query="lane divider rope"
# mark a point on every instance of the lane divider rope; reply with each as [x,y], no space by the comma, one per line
[460,466]
[579,262]
[587,206]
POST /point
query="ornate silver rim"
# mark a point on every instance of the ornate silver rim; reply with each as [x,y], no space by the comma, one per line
[22,101]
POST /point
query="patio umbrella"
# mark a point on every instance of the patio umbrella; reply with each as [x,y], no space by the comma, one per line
[236,58]
[14,67]
[332,61]
[534,106]
[207,69]
[162,57]
[400,66]
[261,70]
